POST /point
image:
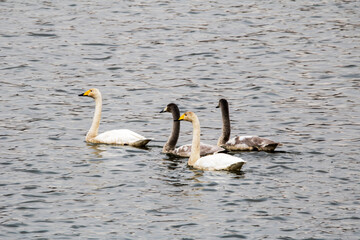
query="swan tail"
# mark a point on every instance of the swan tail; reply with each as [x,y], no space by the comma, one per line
[236,166]
[141,143]
[222,150]
[269,147]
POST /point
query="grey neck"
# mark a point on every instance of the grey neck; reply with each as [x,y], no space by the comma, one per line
[225,136]
[171,143]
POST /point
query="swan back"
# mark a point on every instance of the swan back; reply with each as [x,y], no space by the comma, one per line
[249,143]
[220,161]
[205,149]
[119,136]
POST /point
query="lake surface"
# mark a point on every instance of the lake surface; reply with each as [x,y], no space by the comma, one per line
[289,69]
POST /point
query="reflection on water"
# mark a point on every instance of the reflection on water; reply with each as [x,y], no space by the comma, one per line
[288,69]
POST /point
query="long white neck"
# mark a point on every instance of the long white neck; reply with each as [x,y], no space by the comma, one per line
[93,131]
[195,148]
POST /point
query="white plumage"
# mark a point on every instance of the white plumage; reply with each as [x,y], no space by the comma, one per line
[119,136]
[220,161]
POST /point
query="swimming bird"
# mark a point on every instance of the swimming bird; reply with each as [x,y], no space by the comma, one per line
[185,150]
[119,136]
[241,143]
[220,161]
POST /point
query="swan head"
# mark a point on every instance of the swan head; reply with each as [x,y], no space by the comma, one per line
[188,116]
[171,107]
[93,93]
[222,103]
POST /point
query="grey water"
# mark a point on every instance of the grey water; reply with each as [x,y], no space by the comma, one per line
[289,69]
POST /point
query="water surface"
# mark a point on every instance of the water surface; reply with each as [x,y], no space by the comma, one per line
[290,71]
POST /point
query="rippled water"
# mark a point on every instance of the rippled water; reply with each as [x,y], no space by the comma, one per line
[290,71]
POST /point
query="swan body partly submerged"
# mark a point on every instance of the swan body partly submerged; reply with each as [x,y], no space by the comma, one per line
[184,150]
[220,161]
[119,136]
[241,143]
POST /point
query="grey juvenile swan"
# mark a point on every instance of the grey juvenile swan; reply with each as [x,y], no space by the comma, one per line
[241,143]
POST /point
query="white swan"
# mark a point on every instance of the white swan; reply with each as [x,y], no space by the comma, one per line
[241,143]
[184,150]
[120,136]
[220,161]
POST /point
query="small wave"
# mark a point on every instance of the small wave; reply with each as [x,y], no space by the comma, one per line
[42,34]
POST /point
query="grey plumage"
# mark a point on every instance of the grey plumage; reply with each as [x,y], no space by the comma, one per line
[241,143]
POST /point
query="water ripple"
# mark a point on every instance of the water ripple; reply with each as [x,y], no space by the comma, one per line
[288,69]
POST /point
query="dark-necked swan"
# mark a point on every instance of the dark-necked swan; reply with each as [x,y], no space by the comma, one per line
[241,143]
